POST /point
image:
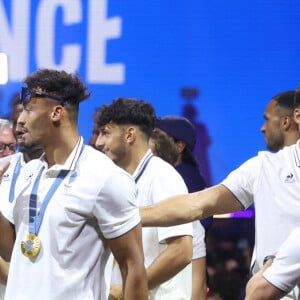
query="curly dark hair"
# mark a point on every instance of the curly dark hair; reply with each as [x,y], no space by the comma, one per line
[164,146]
[125,111]
[60,84]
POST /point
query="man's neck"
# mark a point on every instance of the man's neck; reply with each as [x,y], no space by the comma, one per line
[134,157]
[59,149]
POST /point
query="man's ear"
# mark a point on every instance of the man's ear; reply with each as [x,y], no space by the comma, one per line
[57,113]
[130,134]
[286,122]
[297,115]
[180,145]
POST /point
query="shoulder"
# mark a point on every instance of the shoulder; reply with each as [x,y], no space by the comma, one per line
[162,168]
[96,165]
[94,158]
[162,174]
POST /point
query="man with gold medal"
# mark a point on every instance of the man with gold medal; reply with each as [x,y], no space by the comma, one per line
[72,206]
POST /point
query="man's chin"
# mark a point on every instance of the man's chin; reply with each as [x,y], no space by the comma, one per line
[25,147]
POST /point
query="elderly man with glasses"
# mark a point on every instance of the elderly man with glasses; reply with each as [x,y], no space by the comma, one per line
[7,139]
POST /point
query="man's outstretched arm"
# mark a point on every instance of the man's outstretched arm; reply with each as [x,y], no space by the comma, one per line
[189,207]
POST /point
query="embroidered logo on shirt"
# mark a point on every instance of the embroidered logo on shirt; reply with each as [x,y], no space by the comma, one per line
[6,177]
[290,178]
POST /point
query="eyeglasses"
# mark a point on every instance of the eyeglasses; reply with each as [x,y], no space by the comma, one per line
[27,94]
[10,146]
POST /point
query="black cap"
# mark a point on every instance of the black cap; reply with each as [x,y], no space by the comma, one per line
[179,128]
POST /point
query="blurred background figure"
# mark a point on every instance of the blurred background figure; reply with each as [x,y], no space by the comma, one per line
[203,140]
[173,140]
[7,138]
[279,128]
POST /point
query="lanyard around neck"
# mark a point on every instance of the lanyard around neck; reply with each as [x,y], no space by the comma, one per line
[35,220]
[15,175]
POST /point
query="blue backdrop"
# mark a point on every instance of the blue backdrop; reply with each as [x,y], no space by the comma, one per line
[237,54]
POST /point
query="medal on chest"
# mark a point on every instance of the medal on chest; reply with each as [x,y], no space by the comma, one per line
[31,245]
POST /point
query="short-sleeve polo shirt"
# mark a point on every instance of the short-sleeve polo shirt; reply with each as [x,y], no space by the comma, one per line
[272,181]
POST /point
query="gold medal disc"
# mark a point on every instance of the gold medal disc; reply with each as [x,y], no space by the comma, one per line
[31,245]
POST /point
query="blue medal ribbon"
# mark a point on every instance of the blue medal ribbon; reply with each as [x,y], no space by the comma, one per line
[35,220]
[14,179]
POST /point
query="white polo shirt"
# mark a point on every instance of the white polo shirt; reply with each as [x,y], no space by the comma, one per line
[284,273]
[2,291]
[272,180]
[96,201]
[156,182]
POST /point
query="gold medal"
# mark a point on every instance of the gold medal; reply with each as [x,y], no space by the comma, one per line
[31,245]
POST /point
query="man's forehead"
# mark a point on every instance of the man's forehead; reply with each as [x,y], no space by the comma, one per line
[6,132]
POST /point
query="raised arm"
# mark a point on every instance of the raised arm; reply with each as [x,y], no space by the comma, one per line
[128,252]
[189,207]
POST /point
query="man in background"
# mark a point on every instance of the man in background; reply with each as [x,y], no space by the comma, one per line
[269,179]
[7,139]
[177,135]
[125,127]
[280,128]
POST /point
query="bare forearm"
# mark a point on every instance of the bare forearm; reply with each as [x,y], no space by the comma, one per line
[128,252]
[4,266]
[135,287]
[176,210]
[170,262]
[199,279]
[260,289]
[186,208]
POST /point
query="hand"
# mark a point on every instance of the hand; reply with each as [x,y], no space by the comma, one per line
[115,292]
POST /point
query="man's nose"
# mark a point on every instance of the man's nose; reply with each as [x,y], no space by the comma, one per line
[99,144]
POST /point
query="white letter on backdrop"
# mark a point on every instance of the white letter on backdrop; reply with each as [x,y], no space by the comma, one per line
[100,30]
[14,38]
[45,41]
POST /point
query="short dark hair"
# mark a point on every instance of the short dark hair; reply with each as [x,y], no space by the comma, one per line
[60,84]
[286,100]
[125,111]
